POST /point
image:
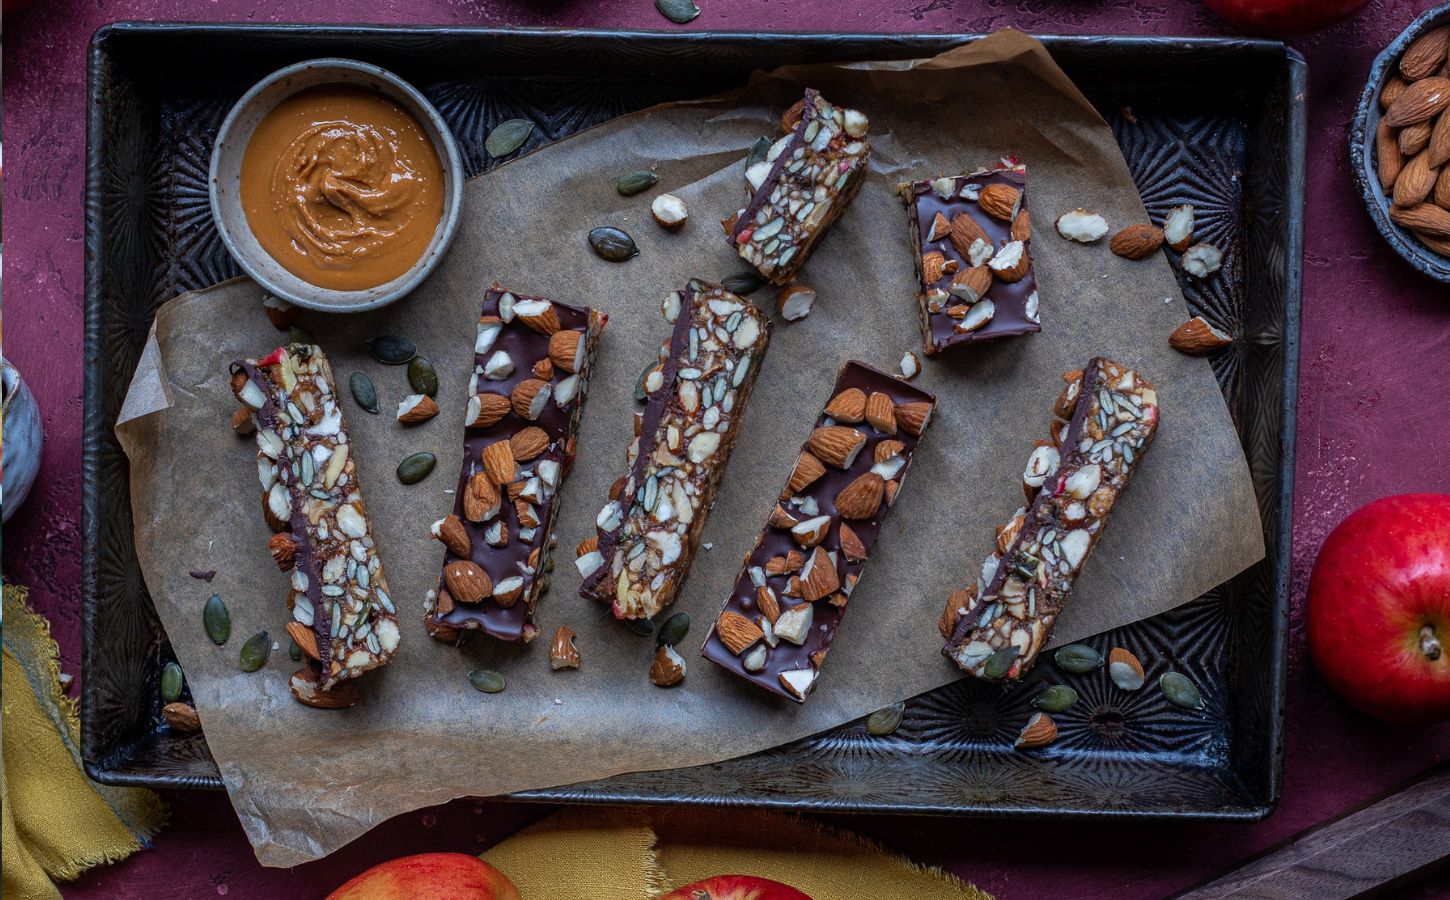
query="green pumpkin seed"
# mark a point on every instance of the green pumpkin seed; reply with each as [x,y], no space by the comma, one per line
[1055,699]
[422,376]
[884,721]
[1180,691]
[255,652]
[612,244]
[392,349]
[640,626]
[758,150]
[294,651]
[673,631]
[216,620]
[1000,663]
[742,284]
[507,137]
[297,335]
[1079,659]
[171,682]
[486,680]
[635,182]
[678,11]
[363,391]
[416,467]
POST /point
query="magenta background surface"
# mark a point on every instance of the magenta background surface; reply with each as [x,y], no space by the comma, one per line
[1374,419]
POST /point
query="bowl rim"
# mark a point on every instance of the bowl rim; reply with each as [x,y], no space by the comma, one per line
[1361,138]
[326,299]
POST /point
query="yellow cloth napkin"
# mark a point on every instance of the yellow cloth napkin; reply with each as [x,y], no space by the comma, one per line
[56,822]
[586,853]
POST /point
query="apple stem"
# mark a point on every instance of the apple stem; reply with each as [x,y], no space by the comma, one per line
[1429,643]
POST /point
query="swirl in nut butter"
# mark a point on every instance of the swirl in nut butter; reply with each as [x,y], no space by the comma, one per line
[342,187]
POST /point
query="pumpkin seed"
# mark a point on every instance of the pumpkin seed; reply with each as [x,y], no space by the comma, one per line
[678,11]
[612,244]
[635,182]
[884,721]
[216,620]
[363,391]
[742,284]
[640,626]
[1055,699]
[415,468]
[171,682]
[486,680]
[294,651]
[673,631]
[422,376]
[508,136]
[392,349]
[999,663]
[758,150]
[1180,691]
[297,335]
[1079,659]
[255,652]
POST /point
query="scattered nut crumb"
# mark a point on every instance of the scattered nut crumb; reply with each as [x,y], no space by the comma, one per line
[1202,260]
[1178,227]
[1081,225]
[795,301]
[910,365]
[668,669]
[562,653]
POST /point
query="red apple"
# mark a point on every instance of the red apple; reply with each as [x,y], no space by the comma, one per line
[429,876]
[736,887]
[1283,17]
[1378,612]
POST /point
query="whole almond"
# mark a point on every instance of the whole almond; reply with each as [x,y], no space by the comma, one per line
[1421,100]
[454,536]
[851,545]
[1388,158]
[1197,337]
[305,687]
[807,470]
[1137,241]
[1393,88]
[1439,245]
[1426,54]
[862,497]
[912,417]
[881,413]
[1438,147]
[529,442]
[1021,226]
[836,445]
[1427,217]
[304,637]
[564,350]
[999,201]
[181,716]
[1441,195]
[1416,181]
[466,582]
[1413,138]
[736,632]
[965,232]
[498,462]
[849,406]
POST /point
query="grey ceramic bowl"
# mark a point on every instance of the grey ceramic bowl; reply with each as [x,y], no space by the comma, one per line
[226,168]
[1362,150]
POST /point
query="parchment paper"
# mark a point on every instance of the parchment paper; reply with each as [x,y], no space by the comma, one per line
[305,782]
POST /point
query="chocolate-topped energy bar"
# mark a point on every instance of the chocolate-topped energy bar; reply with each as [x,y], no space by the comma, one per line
[801,186]
[342,615]
[531,363]
[695,398]
[1102,424]
[794,586]
[973,241]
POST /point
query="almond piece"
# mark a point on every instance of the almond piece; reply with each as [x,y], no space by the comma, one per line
[807,470]
[304,637]
[736,632]
[792,116]
[818,577]
[886,449]
[931,267]
[1011,262]
[1389,160]
[965,233]
[1202,260]
[1439,245]
[940,228]
[1420,101]
[767,603]
[305,685]
[851,545]
[1000,201]
[1081,225]
[1021,226]
[795,302]
[668,668]
[181,717]
[1426,54]
[1039,731]
[1413,138]
[669,211]
[1438,149]
[562,652]
[416,408]
[529,397]
[538,315]
[811,532]
[498,462]
[1441,195]
[862,497]
[466,582]
[445,602]
[543,369]
[1416,181]
[1197,337]
[779,518]
[586,546]
[283,548]
[881,413]
[910,365]
[1137,241]
[279,312]
[480,499]
[566,350]
[913,417]
[971,284]
[1426,217]
[1178,227]
[849,406]
[957,605]
[529,442]
[836,445]
[486,410]
[243,423]
[452,533]
[1124,669]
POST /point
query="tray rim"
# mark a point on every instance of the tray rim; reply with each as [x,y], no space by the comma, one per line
[1278,555]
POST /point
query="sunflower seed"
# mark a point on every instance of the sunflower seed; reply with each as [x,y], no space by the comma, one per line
[1055,699]
[507,137]
[885,721]
[640,626]
[742,284]
[392,349]
[635,182]
[612,244]
[422,376]
[678,11]
[171,682]
[415,468]
[216,620]
[1079,659]
[363,391]
[1180,691]
[255,652]
[1000,663]
[673,631]
[486,680]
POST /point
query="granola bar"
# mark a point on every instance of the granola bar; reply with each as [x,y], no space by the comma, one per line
[1102,424]
[696,396]
[341,613]
[800,187]
[532,358]
[793,588]
[973,241]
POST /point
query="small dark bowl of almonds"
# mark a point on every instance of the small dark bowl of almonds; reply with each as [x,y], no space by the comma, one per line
[1399,146]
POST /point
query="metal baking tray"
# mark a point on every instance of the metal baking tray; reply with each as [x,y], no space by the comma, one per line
[1218,123]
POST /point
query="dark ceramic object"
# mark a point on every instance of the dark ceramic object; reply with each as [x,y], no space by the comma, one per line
[1216,123]
[1362,151]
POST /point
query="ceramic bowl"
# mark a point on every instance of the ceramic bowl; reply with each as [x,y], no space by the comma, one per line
[1362,150]
[225,180]
[23,439]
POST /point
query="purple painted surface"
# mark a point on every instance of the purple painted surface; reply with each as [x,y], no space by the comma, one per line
[1374,419]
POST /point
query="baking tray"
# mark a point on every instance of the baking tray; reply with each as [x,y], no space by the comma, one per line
[1218,123]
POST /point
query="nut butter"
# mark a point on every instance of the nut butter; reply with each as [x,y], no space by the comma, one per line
[342,187]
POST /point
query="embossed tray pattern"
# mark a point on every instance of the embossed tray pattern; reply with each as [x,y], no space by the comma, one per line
[1217,123]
